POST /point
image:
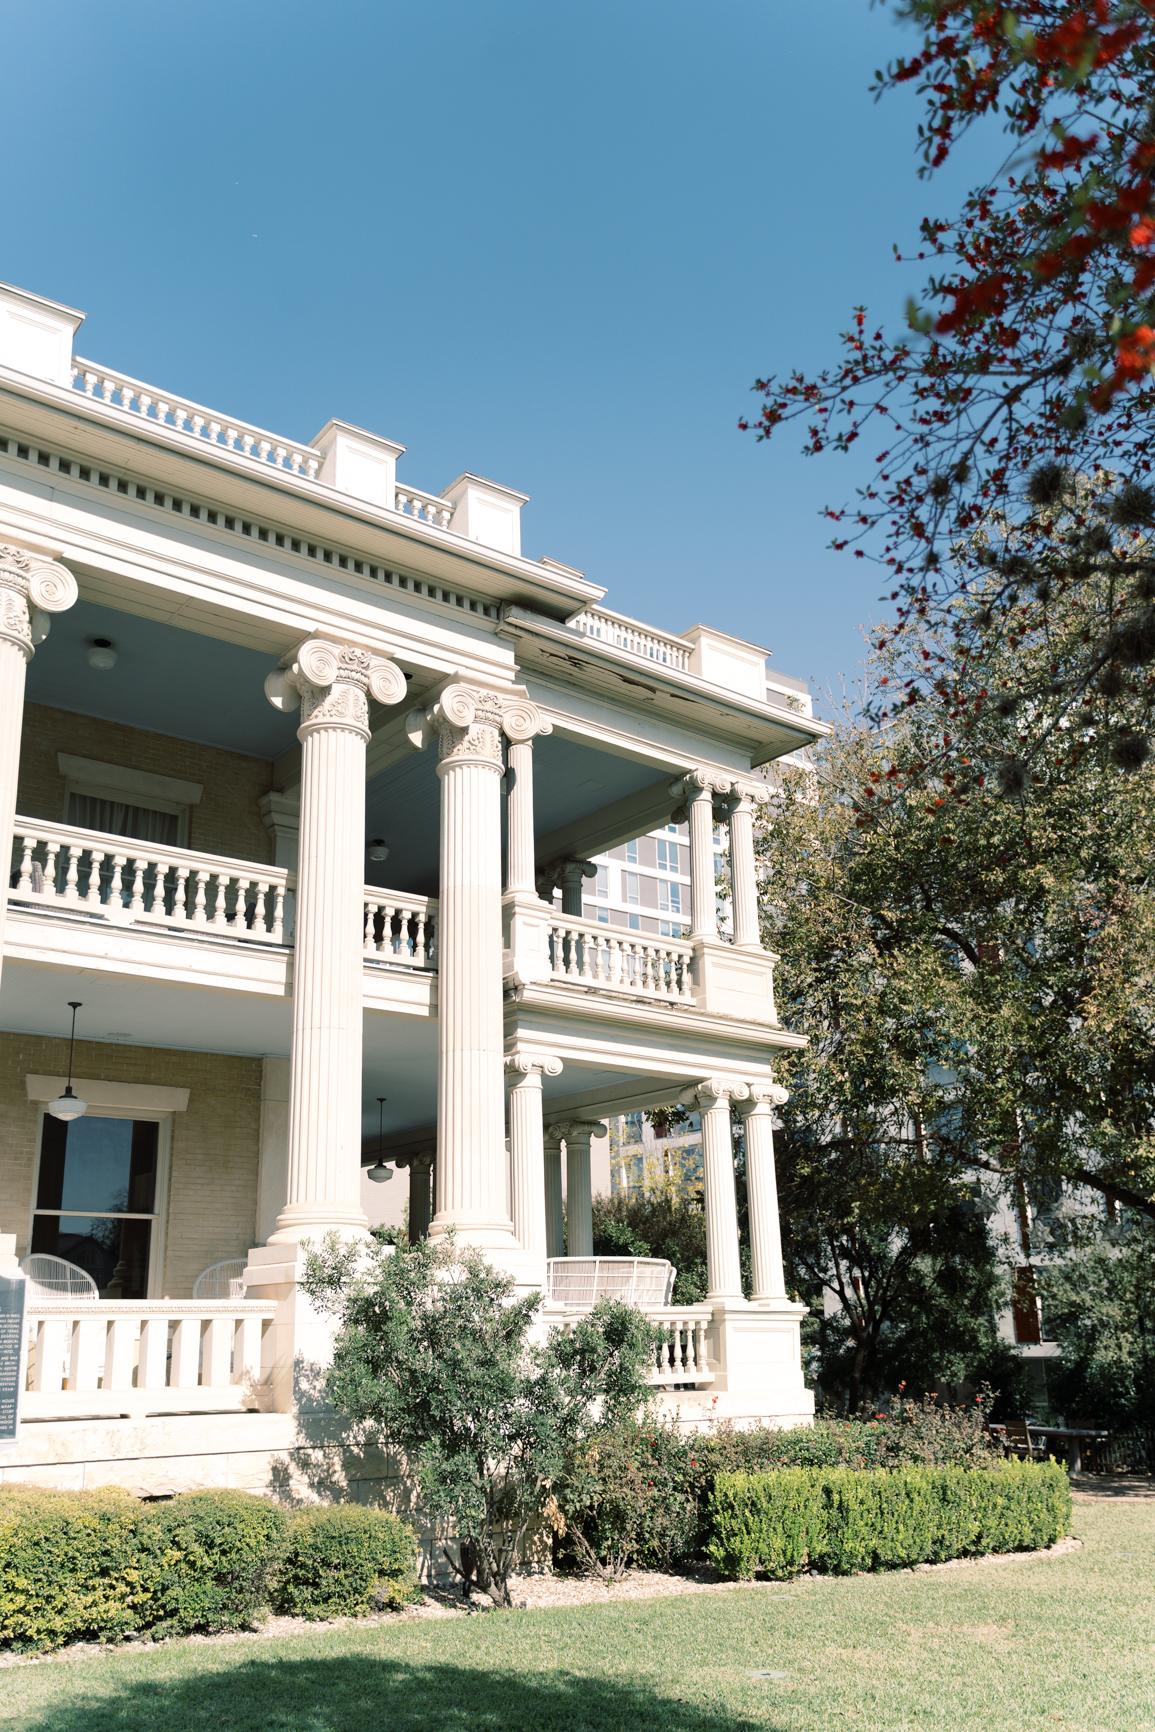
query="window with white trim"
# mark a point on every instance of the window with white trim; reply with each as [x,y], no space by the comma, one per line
[100,1188]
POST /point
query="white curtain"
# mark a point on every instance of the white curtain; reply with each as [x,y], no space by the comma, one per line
[117,818]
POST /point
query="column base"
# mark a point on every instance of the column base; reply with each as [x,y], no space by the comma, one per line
[313,1220]
[484,1234]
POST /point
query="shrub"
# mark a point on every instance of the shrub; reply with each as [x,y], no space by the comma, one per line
[626,1497]
[211,1553]
[845,1519]
[344,1561]
[70,1567]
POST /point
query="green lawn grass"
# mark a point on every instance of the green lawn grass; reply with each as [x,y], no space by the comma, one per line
[1063,1642]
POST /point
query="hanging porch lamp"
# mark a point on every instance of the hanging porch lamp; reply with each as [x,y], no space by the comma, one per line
[69,1106]
[380,1172]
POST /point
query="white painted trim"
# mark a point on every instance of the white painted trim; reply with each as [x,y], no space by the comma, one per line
[90,772]
[138,1098]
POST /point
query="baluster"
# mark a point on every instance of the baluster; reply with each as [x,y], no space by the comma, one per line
[180,894]
[136,906]
[199,916]
[107,387]
[571,939]
[312,466]
[401,500]
[91,380]
[261,917]
[419,939]
[296,458]
[126,396]
[214,432]
[94,876]
[222,886]
[681,1345]
[180,416]
[664,1360]
[232,434]
[279,456]
[162,409]
[687,977]
[700,1346]
[145,405]
[247,442]
[198,424]
[265,446]
[70,892]
[650,982]
[27,843]
[50,852]
[278,933]
[114,889]
[370,920]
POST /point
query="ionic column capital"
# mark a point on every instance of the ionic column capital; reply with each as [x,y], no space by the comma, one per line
[564,874]
[747,795]
[569,1130]
[715,1091]
[524,1064]
[332,682]
[696,783]
[762,1095]
[30,583]
[468,723]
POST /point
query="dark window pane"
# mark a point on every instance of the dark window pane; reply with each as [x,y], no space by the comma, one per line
[98,1164]
[114,1253]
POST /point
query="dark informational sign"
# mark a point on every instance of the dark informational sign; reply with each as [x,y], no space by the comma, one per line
[12,1289]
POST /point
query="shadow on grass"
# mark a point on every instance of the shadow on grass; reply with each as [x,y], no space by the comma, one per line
[357,1692]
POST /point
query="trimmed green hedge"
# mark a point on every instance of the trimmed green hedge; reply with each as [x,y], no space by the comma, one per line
[844,1519]
[93,1566]
[345,1560]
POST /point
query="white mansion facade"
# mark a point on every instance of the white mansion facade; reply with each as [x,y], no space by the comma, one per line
[291,755]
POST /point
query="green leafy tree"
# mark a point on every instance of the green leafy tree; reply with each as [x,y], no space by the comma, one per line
[437,1356]
[1099,1297]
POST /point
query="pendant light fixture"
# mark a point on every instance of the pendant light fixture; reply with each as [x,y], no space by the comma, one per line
[68,1105]
[380,1172]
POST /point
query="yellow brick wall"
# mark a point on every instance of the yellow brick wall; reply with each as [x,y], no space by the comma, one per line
[227,820]
[213,1178]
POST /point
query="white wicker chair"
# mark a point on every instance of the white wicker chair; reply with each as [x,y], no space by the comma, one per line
[56,1278]
[221,1280]
[582,1281]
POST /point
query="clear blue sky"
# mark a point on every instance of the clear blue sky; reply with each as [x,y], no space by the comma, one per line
[551,243]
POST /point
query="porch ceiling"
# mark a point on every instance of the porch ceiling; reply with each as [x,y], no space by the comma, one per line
[167,680]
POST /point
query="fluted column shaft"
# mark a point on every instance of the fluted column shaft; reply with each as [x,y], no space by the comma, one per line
[723,1268]
[420,1168]
[330,682]
[28,582]
[743,876]
[768,1276]
[703,894]
[579,1218]
[554,1203]
[527,1152]
[519,815]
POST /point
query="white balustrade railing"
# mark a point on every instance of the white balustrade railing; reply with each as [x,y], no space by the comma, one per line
[400,928]
[137,1356]
[680,1355]
[629,634]
[588,954]
[427,507]
[149,403]
[72,870]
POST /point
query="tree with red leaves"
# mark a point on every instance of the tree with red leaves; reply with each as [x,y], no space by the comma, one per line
[1014,419]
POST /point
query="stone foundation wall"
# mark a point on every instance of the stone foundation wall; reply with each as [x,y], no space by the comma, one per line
[212,1201]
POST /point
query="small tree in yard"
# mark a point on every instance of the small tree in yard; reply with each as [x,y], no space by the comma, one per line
[434,1353]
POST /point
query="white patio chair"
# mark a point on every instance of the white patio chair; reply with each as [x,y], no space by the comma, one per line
[55,1278]
[222,1280]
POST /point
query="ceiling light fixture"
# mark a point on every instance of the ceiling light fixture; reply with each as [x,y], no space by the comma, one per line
[102,655]
[69,1106]
[377,849]
[380,1172]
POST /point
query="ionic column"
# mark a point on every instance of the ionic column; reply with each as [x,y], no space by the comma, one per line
[723,1269]
[769,1281]
[554,1202]
[420,1202]
[579,1216]
[743,877]
[30,584]
[469,722]
[698,790]
[330,682]
[571,876]
[519,818]
[527,1170]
